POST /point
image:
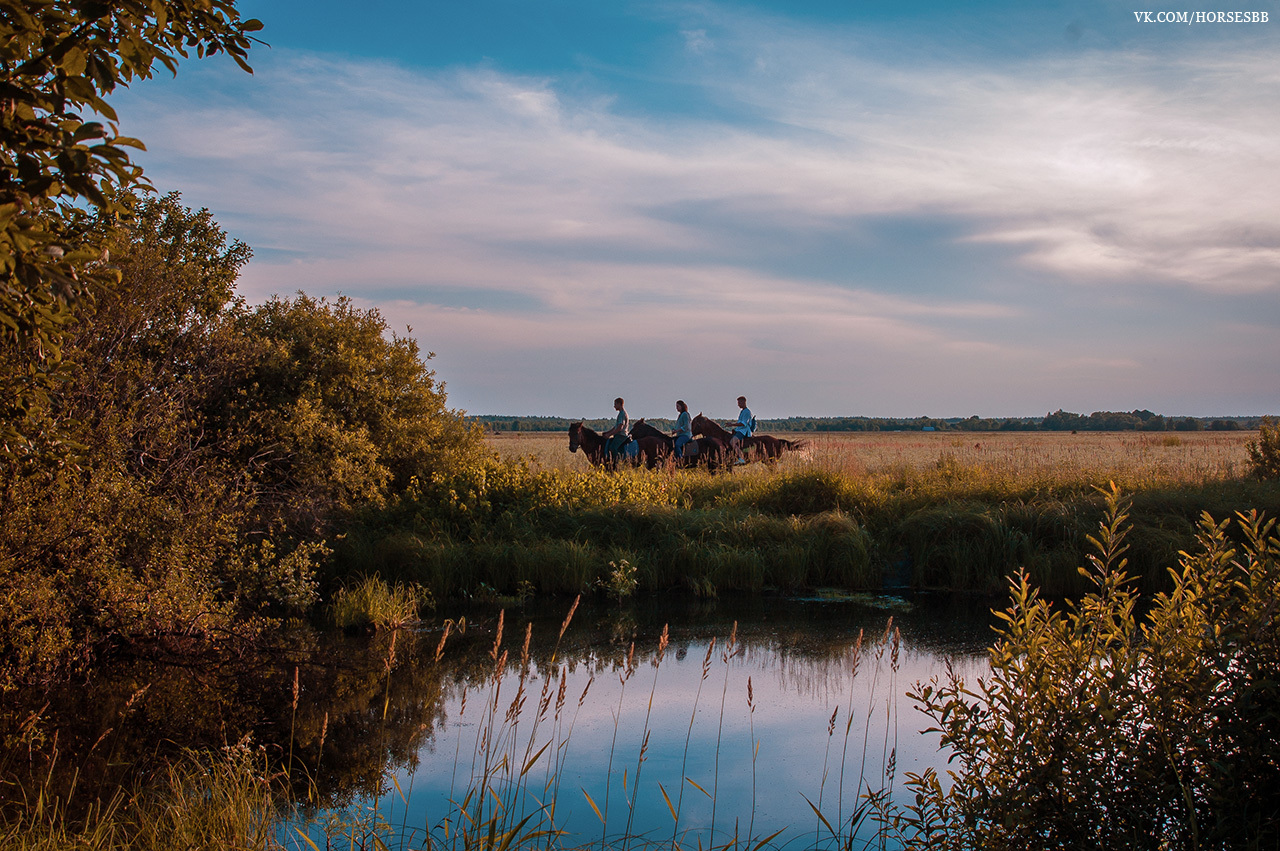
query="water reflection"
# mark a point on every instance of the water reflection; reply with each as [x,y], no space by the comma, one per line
[732,737]
[715,739]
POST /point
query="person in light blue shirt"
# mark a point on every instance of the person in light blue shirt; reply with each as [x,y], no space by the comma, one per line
[617,436]
[684,428]
[743,429]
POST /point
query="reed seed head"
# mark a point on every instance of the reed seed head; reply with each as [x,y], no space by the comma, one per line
[524,650]
[706,661]
[565,626]
[443,638]
[497,636]
[663,641]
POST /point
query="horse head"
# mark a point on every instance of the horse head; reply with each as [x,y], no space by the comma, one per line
[575,436]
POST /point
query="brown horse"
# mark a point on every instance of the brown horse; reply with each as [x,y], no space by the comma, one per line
[647,448]
[710,450]
[763,446]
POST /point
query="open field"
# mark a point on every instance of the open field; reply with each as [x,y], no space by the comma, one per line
[1133,457]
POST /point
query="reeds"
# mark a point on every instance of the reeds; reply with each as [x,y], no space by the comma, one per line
[227,800]
[371,603]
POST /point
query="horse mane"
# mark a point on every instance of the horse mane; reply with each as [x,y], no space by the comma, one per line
[646,430]
[719,430]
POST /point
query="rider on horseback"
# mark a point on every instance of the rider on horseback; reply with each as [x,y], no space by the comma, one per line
[617,436]
[742,429]
[684,428]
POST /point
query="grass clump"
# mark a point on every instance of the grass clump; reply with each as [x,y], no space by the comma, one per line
[224,801]
[372,604]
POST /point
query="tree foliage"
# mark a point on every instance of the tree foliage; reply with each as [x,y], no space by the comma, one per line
[59,61]
[218,443]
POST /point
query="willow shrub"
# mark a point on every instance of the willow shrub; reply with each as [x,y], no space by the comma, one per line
[1099,728]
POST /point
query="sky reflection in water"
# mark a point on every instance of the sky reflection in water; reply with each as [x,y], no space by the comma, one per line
[799,658]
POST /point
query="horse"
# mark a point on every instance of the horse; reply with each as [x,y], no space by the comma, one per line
[710,450]
[647,448]
[764,446]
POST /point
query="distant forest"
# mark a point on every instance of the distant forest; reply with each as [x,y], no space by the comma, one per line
[1057,421]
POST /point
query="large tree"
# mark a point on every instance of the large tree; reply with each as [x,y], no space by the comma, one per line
[60,149]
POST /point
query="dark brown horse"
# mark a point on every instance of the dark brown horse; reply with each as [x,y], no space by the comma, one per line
[648,449]
[710,450]
[765,447]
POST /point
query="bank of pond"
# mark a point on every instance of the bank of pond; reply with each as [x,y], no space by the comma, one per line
[630,660]
[700,536]
[822,720]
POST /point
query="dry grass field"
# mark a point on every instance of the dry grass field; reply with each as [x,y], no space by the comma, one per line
[1134,457]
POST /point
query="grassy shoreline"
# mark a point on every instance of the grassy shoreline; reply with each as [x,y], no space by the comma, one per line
[921,514]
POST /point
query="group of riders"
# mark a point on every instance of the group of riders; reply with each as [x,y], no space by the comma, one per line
[619,435]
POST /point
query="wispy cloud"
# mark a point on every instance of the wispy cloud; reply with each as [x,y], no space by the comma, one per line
[516,223]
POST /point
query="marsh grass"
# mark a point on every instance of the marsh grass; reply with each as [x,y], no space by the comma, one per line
[370,603]
[226,800]
[860,512]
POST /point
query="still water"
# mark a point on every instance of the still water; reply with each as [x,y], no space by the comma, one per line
[743,721]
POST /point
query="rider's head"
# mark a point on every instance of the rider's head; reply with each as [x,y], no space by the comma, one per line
[681,406]
[742,401]
[618,403]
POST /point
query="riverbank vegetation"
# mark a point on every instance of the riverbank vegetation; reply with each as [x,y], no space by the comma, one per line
[219,466]
[206,451]
[1115,721]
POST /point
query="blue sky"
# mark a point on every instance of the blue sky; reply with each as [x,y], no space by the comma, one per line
[835,208]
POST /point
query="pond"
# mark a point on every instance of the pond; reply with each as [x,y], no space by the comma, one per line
[752,716]
[747,718]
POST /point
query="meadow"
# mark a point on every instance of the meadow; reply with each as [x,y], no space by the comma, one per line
[863,511]
[1133,457]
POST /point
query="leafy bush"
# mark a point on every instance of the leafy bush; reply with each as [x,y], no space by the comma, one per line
[1097,729]
[1264,453]
[216,444]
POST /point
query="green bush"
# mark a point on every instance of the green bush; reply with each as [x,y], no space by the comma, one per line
[1264,453]
[1098,728]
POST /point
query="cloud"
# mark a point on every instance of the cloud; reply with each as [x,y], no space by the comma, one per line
[516,217]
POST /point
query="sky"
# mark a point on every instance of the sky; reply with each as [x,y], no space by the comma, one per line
[835,208]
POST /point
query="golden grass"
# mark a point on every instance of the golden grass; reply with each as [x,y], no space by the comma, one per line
[1150,457]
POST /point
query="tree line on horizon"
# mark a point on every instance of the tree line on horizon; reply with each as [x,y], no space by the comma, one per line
[1060,420]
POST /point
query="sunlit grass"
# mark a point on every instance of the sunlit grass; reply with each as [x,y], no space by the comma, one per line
[1025,458]
[370,603]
